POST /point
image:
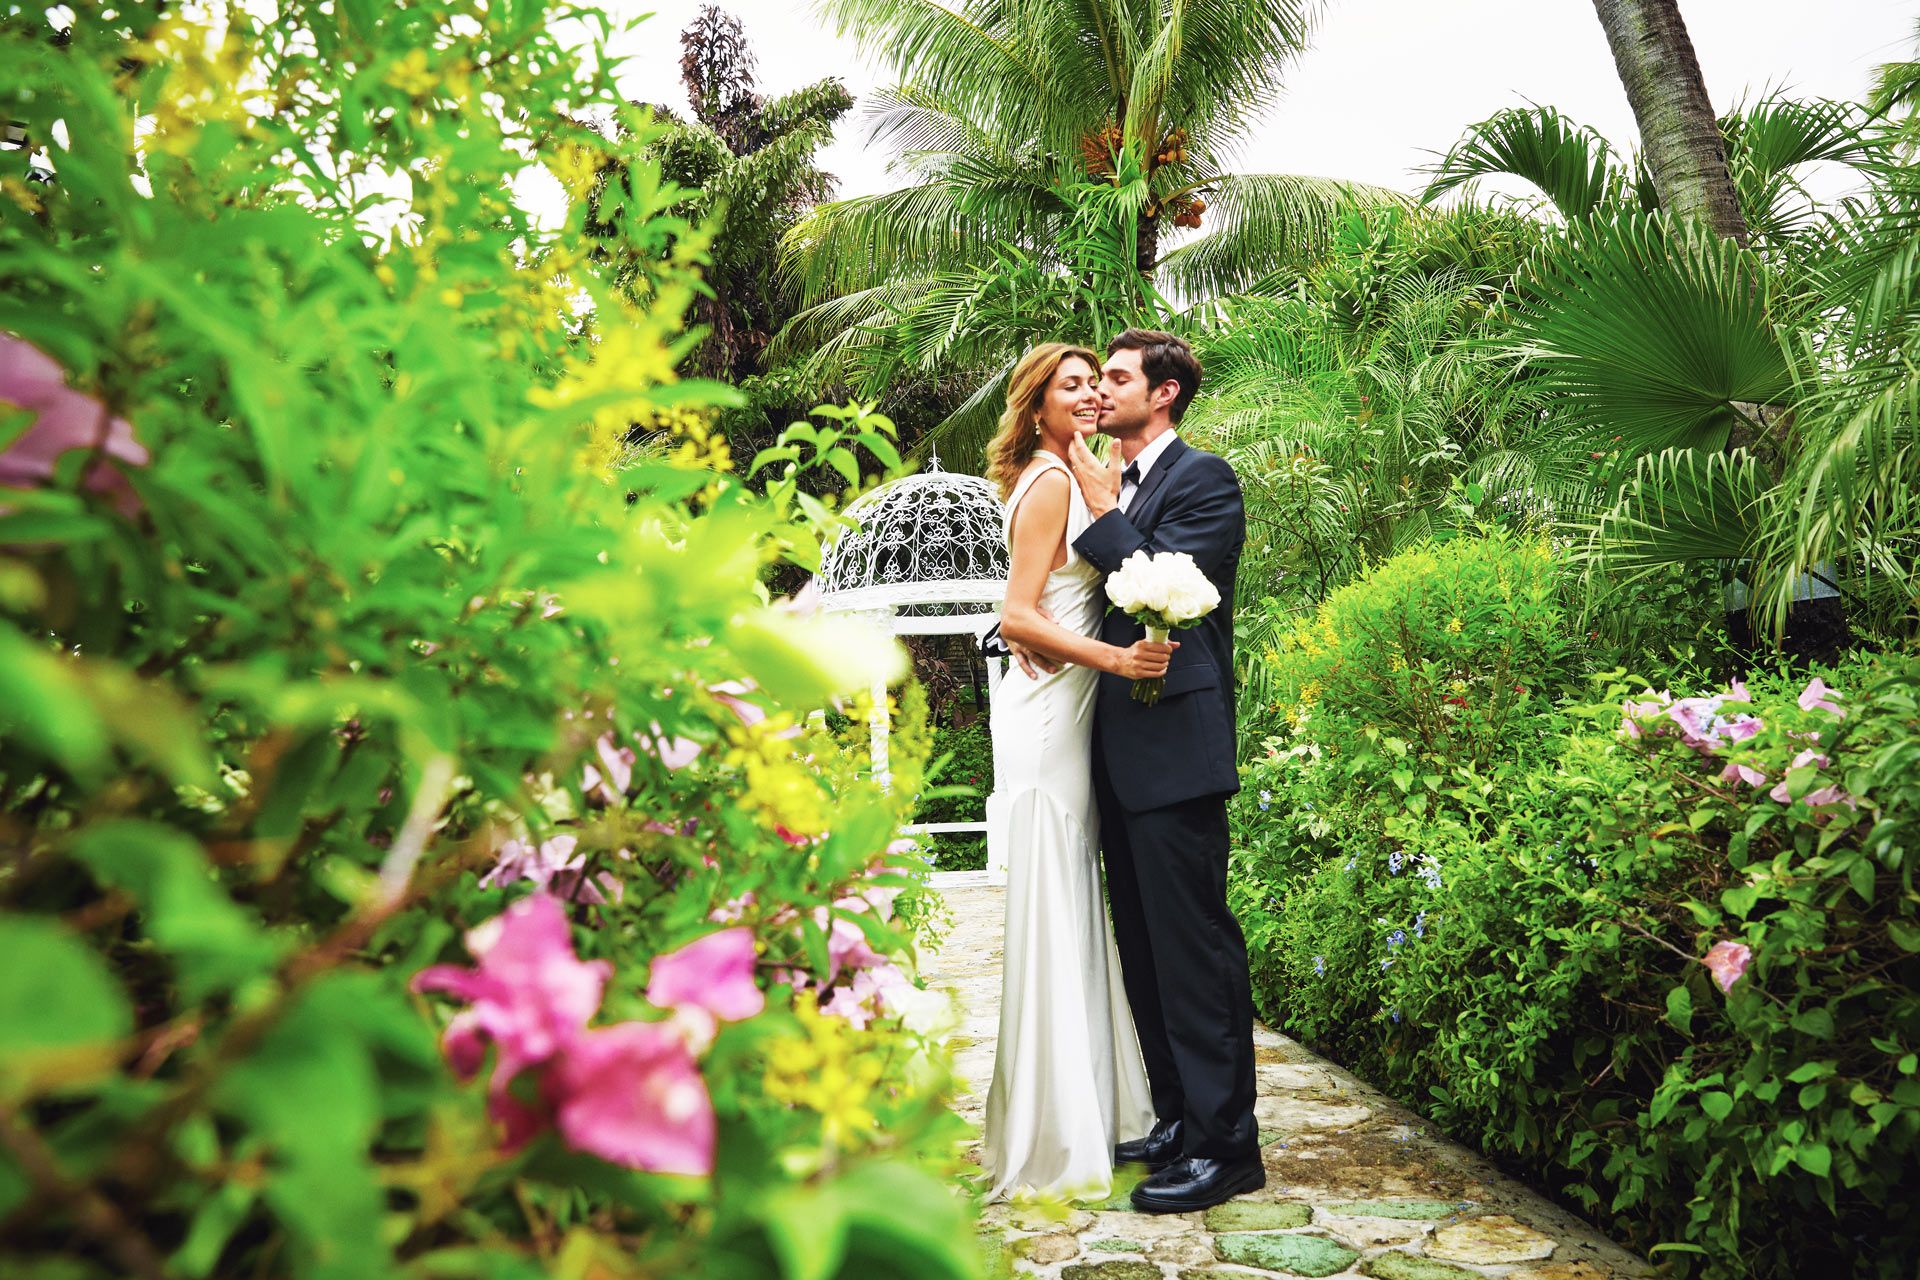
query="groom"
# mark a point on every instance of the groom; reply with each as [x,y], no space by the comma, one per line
[1161,777]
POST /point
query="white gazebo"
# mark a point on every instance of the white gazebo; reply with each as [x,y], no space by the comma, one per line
[927,555]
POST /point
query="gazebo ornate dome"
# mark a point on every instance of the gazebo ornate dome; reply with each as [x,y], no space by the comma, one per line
[928,549]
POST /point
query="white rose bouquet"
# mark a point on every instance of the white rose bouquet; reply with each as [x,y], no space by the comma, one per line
[1162,593]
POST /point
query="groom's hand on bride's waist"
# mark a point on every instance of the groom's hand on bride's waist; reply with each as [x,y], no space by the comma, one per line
[1031,661]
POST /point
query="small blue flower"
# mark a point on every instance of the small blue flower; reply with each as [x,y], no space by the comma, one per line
[1397,939]
[1420,925]
[1320,965]
[1396,1016]
[1395,861]
[1266,799]
[1386,964]
[1351,862]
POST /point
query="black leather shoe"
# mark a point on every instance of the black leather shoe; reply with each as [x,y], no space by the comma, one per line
[1160,1148]
[1195,1182]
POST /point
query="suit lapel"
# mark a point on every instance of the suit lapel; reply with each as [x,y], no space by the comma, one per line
[1162,468]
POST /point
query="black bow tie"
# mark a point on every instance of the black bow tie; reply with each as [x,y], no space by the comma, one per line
[1131,475]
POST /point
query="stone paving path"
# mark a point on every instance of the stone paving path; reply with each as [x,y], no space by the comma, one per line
[1357,1185]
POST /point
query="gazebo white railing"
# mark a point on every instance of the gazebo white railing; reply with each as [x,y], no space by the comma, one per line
[927,556]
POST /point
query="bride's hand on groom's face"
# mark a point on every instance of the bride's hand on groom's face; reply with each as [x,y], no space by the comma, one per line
[1099,481]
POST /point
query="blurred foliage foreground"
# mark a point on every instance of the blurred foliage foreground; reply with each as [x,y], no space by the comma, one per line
[417,857]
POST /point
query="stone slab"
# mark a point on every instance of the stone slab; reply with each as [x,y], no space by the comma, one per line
[1298,1255]
[1395,1265]
[1491,1240]
[1257,1215]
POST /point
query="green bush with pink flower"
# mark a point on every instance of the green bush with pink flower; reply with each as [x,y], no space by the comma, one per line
[421,858]
[1662,948]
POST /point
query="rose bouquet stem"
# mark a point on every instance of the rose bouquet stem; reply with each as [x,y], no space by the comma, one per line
[1148,690]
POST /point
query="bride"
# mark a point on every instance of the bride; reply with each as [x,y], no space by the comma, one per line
[1068,1082]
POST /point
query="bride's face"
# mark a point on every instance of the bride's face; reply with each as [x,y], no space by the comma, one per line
[1072,404]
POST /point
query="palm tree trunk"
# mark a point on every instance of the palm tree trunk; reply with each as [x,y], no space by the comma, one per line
[1681,140]
[1146,253]
[1678,132]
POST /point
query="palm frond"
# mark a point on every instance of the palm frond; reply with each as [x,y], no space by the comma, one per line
[849,245]
[1653,331]
[1771,141]
[1571,164]
[1679,505]
[1265,222]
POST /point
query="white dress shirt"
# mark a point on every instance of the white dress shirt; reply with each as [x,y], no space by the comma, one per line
[1148,456]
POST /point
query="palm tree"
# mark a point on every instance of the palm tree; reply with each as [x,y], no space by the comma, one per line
[1745,403]
[1678,133]
[750,169]
[1005,114]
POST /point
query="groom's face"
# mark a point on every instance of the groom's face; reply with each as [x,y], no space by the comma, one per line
[1124,395]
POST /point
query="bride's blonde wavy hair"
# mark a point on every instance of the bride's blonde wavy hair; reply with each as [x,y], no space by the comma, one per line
[1019,434]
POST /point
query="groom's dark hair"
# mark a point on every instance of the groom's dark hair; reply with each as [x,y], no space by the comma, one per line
[1164,357]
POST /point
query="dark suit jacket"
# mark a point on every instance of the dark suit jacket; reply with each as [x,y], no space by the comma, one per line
[1183,747]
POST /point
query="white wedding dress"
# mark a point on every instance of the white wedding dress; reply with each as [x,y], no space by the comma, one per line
[1068,1081]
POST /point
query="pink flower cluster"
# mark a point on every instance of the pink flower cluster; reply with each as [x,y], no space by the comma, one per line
[1715,724]
[554,866]
[63,420]
[1727,961]
[630,1093]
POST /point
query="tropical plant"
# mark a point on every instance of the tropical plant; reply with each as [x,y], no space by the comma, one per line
[350,673]
[1685,153]
[1003,116]
[1683,361]
[750,170]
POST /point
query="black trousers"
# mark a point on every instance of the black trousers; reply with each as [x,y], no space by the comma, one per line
[1184,963]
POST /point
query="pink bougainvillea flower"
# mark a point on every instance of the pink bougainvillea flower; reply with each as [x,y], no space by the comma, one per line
[733,909]
[674,753]
[1727,961]
[1818,796]
[632,1095]
[63,420]
[878,899]
[1746,773]
[847,945]
[529,995]
[1633,711]
[873,992]
[733,695]
[609,776]
[1818,696]
[714,973]
[554,866]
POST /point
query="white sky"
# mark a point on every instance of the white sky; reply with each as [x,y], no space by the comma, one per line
[1387,82]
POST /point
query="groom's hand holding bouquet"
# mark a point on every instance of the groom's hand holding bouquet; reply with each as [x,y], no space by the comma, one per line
[1162,592]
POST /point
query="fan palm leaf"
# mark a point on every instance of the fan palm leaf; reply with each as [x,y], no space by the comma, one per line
[1654,332]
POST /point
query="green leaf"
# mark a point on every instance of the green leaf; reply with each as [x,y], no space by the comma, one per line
[1680,1010]
[1654,327]
[1814,1022]
[60,1009]
[43,702]
[1717,1104]
[1740,899]
[1815,1158]
[1905,936]
[183,908]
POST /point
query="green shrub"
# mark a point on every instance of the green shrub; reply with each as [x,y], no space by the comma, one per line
[367,632]
[1526,960]
[1430,659]
[965,780]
